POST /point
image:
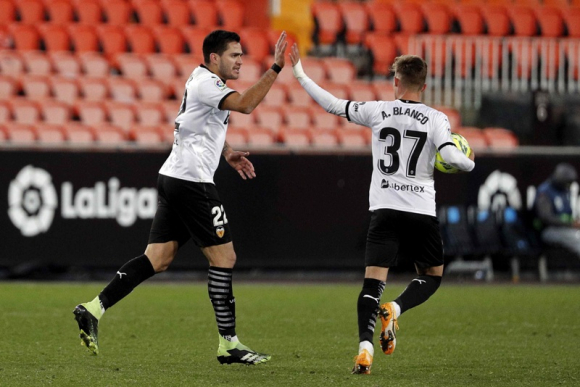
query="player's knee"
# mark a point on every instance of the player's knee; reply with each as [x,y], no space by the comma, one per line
[161,256]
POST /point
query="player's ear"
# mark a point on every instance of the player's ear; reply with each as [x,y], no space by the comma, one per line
[213,57]
[424,87]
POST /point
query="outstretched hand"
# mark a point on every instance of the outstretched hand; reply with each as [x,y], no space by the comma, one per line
[294,54]
[280,50]
[240,163]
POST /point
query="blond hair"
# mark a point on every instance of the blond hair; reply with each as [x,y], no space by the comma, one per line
[411,70]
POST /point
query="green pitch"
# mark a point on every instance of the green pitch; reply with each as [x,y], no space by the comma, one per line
[165,335]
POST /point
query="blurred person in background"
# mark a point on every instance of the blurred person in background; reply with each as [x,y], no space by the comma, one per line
[553,210]
[406,136]
[189,206]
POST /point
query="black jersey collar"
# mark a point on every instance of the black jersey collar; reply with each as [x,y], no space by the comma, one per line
[205,67]
[408,101]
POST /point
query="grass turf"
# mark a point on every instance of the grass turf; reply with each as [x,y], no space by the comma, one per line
[165,335]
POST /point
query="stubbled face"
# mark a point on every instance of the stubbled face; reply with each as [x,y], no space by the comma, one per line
[230,61]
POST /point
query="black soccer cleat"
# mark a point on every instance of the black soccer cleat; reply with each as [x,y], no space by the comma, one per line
[239,353]
[89,328]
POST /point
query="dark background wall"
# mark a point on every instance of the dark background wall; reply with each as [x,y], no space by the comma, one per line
[302,211]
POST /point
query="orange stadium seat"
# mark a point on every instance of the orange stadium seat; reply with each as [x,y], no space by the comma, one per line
[170,110]
[361,91]
[55,112]
[177,13]
[5,112]
[150,114]
[121,114]
[47,133]
[500,138]
[356,21]
[11,63]
[152,90]
[37,62]
[60,11]
[551,21]
[351,138]
[255,43]
[94,64]
[323,138]
[117,12]
[385,90]
[77,133]
[298,96]
[65,89]
[24,36]
[145,135]
[140,39]
[329,22]
[251,70]
[205,13]
[438,17]
[194,37]
[9,87]
[562,4]
[93,89]
[496,19]
[84,38]
[322,119]
[410,17]
[149,12]
[122,89]
[383,50]
[452,114]
[7,12]
[177,86]
[295,137]
[91,113]
[339,90]
[240,120]
[523,19]
[270,118]
[383,18]
[259,137]
[3,134]
[112,39]
[25,111]
[65,63]
[339,70]
[277,96]
[110,135]
[231,13]
[474,137]
[297,116]
[55,37]
[470,19]
[88,12]
[161,66]
[132,65]
[274,34]
[572,19]
[31,11]
[314,67]
[36,87]
[20,133]
[237,137]
[285,77]
[169,40]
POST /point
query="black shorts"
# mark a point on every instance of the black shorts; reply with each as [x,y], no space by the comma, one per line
[186,209]
[394,233]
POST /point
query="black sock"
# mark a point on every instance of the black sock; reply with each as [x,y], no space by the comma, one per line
[127,278]
[367,307]
[219,286]
[418,291]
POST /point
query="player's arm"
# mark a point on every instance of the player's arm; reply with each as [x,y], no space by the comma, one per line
[239,162]
[247,101]
[325,99]
[456,158]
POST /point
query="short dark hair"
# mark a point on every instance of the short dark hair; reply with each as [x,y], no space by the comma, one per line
[217,41]
[411,70]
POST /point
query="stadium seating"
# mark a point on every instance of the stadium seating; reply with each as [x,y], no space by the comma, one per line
[329,23]
[356,21]
[500,138]
[205,13]
[149,12]
[169,40]
[47,133]
[8,87]
[60,11]
[496,19]
[176,12]
[55,112]
[382,16]
[7,12]
[88,12]
[65,63]
[339,70]
[410,17]
[383,50]
[18,133]
[64,89]
[255,43]
[25,36]
[231,14]
[323,138]
[31,11]
[438,17]
[161,66]
[84,38]
[117,12]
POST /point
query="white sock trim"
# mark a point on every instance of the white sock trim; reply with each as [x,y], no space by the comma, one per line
[397,309]
[366,345]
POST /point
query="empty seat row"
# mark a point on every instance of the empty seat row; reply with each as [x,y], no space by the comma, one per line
[227,14]
[350,21]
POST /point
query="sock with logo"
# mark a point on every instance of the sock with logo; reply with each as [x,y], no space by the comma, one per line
[219,286]
[127,278]
[418,291]
[367,308]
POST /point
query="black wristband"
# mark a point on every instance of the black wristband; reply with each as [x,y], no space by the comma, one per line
[276,68]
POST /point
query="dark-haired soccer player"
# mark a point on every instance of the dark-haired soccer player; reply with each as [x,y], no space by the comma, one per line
[189,205]
[406,136]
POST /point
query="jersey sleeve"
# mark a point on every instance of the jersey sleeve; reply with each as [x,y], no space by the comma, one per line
[212,91]
[361,113]
[441,130]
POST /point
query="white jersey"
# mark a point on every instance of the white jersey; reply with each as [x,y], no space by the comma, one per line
[200,129]
[406,136]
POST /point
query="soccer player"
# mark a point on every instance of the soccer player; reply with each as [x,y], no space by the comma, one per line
[406,136]
[189,205]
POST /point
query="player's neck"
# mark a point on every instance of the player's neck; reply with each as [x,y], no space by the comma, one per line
[409,96]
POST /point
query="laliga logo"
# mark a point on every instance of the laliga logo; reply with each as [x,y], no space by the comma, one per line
[499,190]
[32,201]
